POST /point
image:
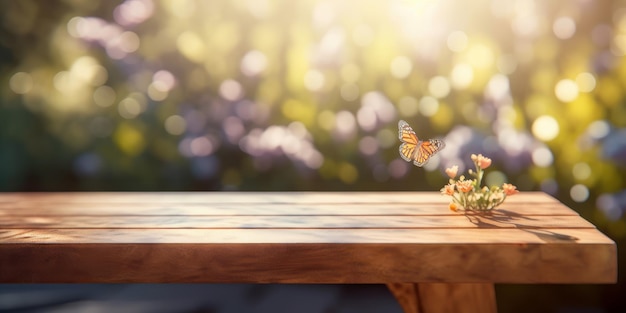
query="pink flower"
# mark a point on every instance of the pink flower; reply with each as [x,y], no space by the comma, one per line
[509,189]
[452,171]
[481,161]
[448,190]
[464,185]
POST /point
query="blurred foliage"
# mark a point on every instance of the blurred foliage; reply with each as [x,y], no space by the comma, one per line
[306,95]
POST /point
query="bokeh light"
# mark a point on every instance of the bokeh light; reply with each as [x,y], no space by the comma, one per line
[566,90]
[545,128]
[564,27]
[579,193]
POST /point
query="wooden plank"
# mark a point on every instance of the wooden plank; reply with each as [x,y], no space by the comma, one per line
[251,197]
[106,208]
[315,221]
[495,236]
[164,262]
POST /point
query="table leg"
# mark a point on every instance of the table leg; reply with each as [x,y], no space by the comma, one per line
[407,296]
[444,298]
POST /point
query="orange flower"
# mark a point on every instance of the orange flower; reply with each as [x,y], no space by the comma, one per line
[448,190]
[453,207]
[464,185]
[509,189]
[452,171]
[482,161]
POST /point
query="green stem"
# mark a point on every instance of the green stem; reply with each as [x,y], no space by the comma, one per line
[455,198]
[479,176]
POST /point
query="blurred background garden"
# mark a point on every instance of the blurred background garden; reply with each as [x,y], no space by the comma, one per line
[306,95]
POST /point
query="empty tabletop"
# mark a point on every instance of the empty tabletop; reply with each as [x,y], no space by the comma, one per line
[295,237]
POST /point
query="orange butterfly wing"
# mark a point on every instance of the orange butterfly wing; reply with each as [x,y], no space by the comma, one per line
[427,149]
[409,141]
[412,149]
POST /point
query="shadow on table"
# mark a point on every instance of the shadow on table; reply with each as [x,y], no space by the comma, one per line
[496,219]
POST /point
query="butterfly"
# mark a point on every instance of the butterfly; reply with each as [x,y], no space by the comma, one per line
[413,149]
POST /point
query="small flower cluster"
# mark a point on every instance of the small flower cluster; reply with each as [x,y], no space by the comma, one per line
[468,195]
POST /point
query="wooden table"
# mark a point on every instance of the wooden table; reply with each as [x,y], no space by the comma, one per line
[432,259]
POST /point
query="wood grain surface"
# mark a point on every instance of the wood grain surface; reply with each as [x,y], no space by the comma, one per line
[304,237]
